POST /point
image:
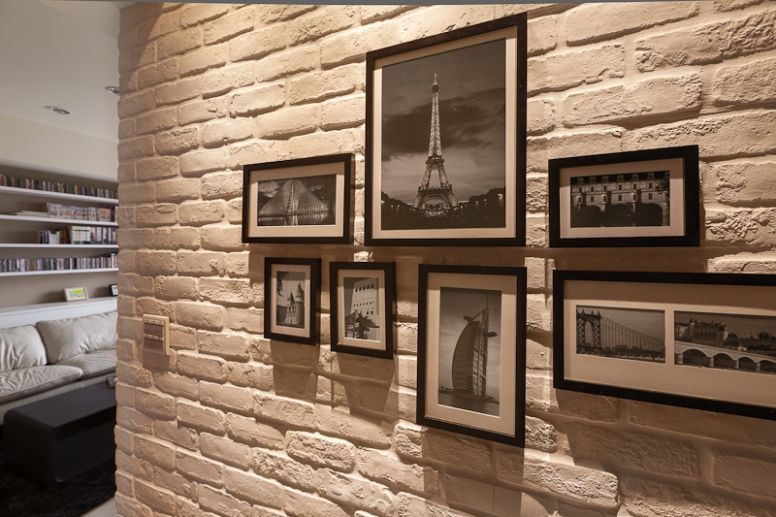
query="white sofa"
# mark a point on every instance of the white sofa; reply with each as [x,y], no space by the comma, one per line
[41,357]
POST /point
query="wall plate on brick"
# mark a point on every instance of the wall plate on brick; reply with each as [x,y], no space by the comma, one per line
[156,333]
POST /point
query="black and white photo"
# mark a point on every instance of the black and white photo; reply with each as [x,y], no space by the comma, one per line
[621,333]
[362,299]
[725,341]
[447,156]
[291,296]
[305,200]
[632,198]
[699,340]
[471,350]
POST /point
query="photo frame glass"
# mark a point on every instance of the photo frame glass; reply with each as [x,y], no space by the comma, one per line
[472,354]
[705,343]
[74,294]
[292,291]
[362,308]
[447,139]
[306,200]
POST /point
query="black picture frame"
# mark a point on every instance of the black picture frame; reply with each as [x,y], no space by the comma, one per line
[518,274]
[562,278]
[690,200]
[519,23]
[342,233]
[271,265]
[388,270]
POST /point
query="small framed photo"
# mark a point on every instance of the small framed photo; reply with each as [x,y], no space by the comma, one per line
[73,294]
[635,198]
[292,299]
[699,340]
[471,351]
[306,200]
[362,300]
[446,138]
[114,289]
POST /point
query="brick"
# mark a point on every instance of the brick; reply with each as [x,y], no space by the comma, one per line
[455,450]
[248,431]
[352,45]
[131,507]
[161,214]
[197,163]
[228,398]
[599,22]
[203,59]
[291,412]
[386,468]
[130,105]
[226,131]
[201,111]
[541,116]
[319,23]
[707,43]
[197,213]
[438,19]
[199,315]
[253,488]
[157,74]
[289,121]
[137,193]
[136,148]
[222,80]
[178,42]
[408,505]
[747,183]
[540,435]
[200,263]
[573,68]
[354,492]
[225,450]
[200,469]
[155,405]
[485,498]
[229,26]
[176,238]
[176,385]
[155,262]
[251,375]
[278,13]
[155,451]
[157,168]
[202,367]
[177,92]
[542,35]
[744,474]
[321,451]
[330,83]
[177,141]
[285,63]
[730,5]
[257,43]
[299,504]
[228,346]
[175,482]
[198,13]
[158,26]
[222,237]
[750,83]
[658,99]
[199,417]
[230,291]
[226,185]
[178,189]
[352,428]
[373,13]
[125,440]
[156,121]
[739,134]
[222,503]
[127,129]
[182,337]
[257,100]
[158,499]
[343,113]
[286,470]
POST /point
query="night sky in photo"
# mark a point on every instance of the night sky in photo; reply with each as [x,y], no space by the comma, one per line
[472,119]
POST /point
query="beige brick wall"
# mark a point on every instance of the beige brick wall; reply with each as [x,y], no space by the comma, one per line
[234,425]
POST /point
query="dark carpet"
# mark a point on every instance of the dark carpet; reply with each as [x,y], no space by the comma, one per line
[23,497]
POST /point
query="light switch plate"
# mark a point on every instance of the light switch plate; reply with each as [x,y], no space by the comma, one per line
[156,333]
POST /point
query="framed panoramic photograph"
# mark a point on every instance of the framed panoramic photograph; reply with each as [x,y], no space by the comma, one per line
[292,299]
[362,300]
[635,198]
[307,200]
[446,138]
[699,340]
[471,351]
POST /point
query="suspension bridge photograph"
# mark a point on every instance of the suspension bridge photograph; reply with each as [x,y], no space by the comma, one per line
[637,334]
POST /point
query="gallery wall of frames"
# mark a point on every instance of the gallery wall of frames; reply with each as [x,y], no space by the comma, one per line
[445,241]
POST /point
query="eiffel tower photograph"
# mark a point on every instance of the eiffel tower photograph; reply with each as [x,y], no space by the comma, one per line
[443,159]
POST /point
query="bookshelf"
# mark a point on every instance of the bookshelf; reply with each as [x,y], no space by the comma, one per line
[76,238]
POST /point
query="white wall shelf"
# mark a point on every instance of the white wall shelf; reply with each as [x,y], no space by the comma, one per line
[47,220]
[59,272]
[27,192]
[25,246]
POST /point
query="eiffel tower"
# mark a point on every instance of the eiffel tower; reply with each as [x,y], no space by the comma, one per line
[435,200]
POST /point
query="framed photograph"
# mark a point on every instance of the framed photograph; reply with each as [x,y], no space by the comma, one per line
[114,289]
[306,200]
[362,298]
[446,138]
[699,340]
[292,289]
[471,351]
[74,294]
[635,198]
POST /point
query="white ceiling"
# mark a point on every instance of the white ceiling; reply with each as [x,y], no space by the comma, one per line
[60,53]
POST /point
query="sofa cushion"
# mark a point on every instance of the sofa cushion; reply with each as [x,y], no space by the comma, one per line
[17,384]
[21,347]
[70,337]
[95,363]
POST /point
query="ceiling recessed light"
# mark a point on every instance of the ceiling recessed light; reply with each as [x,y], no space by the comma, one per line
[57,110]
[113,89]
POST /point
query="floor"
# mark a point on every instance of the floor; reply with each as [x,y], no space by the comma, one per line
[106,509]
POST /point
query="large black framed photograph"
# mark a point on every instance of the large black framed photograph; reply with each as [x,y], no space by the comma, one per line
[307,200]
[446,138]
[292,289]
[362,296]
[699,340]
[471,351]
[634,198]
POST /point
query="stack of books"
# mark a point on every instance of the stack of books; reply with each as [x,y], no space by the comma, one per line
[56,186]
[78,235]
[20,265]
